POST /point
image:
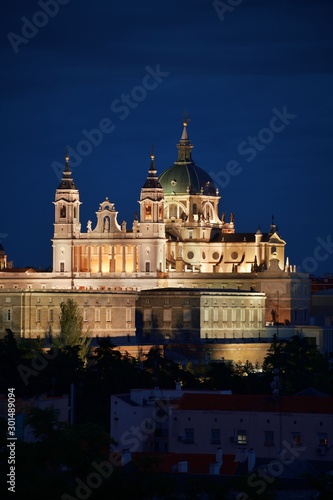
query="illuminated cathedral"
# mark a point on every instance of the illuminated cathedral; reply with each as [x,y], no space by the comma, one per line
[179,241]
[179,230]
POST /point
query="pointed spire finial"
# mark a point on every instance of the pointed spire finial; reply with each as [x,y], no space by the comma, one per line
[184,147]
[67,168]
[185,136]
[67,181]
[186,118]
[273,227]
[152,153]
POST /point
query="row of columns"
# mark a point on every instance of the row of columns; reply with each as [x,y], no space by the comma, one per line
[84,252]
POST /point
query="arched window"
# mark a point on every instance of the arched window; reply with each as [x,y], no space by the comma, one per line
[148,211]
[63,212]
[195,209]
[173,212]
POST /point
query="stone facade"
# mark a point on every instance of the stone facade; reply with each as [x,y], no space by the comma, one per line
[179,240]
[200,314]
[33,314]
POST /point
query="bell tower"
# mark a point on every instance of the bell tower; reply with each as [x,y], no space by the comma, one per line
[152,197]
[67,225]
[152,226]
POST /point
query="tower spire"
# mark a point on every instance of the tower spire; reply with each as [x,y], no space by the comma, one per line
[152,179]
[273,227]
[67,169]
[67,180]
[185,137]
[185,147]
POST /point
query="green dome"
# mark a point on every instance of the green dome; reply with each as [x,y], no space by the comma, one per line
[184,177]
[179,178]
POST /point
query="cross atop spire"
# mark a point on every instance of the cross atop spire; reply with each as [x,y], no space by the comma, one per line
[187,119]
[152,169]
[67,169]
[273,227]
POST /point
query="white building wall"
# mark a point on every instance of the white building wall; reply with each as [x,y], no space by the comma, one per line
[255,424]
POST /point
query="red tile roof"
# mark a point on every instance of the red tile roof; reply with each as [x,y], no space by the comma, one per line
[198,463]
[255,403]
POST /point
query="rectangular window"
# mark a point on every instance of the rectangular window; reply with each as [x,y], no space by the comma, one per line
[251,314]
[216,315]
[322,439]
[167,315]
[225,315]
[85,315]
[147,267]
[186,315]
[269,438]
[242,315]
[62,267]
[51,315]
[108,315]
[296,439]
[38,315]
[189,436]
[7,315]
[241,437]
[206,314]
[234,314]
[259,314]
[128,314]
[147,314]
[97,314]
[215,436]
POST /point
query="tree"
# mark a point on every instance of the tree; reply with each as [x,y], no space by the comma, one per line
[10,358]
[44,422]
[71,325]
[159,370]
[300,364]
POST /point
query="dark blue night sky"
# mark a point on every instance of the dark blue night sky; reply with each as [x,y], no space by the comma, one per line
[130,69]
